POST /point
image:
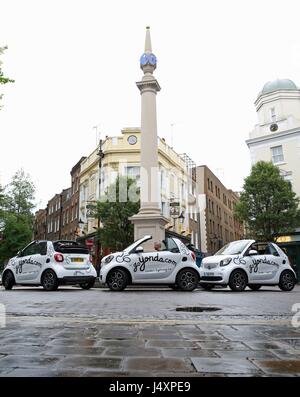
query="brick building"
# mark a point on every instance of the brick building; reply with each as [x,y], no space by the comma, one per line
[217,222]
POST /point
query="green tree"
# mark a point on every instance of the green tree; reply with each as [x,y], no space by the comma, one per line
[3,79]
[114,210]
[267,204]
[20,195]
[16,217]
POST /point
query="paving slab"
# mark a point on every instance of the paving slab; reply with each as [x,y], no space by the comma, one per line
[259,354]
[224,366]
[134,351]
[222,345]
[171,343]
[274,367]
[267,345]
[120,343]
[74,350]
[94,362]
[188,352]
[14,361]
[154,364]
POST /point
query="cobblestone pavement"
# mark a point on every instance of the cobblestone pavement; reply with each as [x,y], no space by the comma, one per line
[138,332]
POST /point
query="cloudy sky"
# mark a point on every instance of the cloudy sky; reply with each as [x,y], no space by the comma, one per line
[75,64]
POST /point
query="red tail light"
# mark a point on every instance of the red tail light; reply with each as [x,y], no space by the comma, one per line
[59,257]
[193,256]
[91,259]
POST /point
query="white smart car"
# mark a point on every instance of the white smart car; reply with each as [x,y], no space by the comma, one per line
[247,263]
[173,265]
[50,264]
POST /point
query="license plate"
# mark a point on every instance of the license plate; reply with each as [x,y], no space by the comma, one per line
[77,260]
[208,273]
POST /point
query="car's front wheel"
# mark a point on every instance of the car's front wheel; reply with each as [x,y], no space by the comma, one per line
[117,280]
[187,280]
[49,280]
[254,287]
[88,285]
[8,280]
[287,281]
[238,280]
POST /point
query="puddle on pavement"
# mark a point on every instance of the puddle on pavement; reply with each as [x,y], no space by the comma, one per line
[197,309]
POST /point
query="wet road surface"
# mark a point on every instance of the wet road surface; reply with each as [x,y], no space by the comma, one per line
[138,332]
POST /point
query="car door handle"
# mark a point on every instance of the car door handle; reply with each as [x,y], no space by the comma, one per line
[184,259]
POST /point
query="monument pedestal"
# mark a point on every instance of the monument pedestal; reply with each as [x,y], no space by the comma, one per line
[151,224]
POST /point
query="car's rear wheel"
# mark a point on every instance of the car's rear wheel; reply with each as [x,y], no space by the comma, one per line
[254,287]
[8,280]
[88,285]
[49,280]
[117,280]
[287,281]
[207,287]
[187,280]
[238,280]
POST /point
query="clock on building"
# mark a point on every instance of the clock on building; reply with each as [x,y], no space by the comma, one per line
[273,127]
[132,139]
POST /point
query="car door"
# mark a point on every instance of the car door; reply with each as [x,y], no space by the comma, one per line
[263,266]
[156,265]
[30,262]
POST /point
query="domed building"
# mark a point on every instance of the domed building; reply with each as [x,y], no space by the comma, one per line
[276,138]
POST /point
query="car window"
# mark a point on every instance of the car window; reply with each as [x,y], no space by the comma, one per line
[171,245]
[233,248]
[261,248]
[273,250]
[32,249]
[42,247]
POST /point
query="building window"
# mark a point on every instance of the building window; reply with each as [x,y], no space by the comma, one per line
[208,184]
[277,154]
[273,115]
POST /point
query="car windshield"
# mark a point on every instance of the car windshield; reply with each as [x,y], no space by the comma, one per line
[233,248]
[136,243]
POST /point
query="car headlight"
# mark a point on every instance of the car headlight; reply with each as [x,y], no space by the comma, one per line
[107,260]
[225,262]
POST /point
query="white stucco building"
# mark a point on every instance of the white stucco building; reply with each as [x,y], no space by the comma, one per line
[276,137]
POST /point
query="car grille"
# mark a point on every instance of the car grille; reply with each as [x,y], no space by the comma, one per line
[210,265]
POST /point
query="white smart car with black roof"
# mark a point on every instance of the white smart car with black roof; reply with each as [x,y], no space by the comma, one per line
[249,263]
[50,264]
[173,265]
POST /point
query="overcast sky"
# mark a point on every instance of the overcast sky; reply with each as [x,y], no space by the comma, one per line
[75,64]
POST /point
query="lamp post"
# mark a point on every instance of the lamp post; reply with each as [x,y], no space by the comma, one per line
[98,243]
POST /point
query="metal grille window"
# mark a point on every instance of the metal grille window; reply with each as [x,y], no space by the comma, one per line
[277,154]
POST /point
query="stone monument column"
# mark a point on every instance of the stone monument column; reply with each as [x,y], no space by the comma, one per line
[149,219]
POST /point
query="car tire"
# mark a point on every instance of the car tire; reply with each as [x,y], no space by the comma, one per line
[117,280]
[207,287]
[187,280]
[49,280]
[238,281]
[88,285]
[254,287]
[8,281]
[287,281]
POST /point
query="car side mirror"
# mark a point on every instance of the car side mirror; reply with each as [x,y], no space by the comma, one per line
[19,253]
[253,252]
[139,250]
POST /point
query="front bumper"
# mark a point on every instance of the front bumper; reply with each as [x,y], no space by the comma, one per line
[76,280]
[218,276]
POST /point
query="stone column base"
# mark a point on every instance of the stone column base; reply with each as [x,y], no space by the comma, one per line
[151,224]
